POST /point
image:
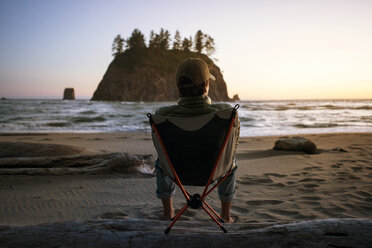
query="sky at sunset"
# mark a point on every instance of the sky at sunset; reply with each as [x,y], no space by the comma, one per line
[266,49]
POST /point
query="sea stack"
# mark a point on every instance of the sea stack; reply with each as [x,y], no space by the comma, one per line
[69,94]
[146,74]
[235,98]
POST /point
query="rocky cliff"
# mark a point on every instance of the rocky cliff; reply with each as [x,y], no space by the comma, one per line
[150,75]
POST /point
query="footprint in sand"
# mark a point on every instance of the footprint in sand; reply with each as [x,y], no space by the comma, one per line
[364,161]
[287,213]
[239,209]
[364,193]
[274,175]
[356,148]
[357,168]
[263,202]
[343,175]
[311,198]
[281,185]
[309,179]
[266,216]
[309,203]
[310,185]
[337,166]
[305,189]
[114,214]
[313,168]
[253,180]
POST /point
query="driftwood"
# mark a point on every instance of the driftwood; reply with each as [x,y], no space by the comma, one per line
[78,164]
[150,233]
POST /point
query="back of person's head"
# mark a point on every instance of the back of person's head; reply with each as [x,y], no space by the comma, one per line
[195,90]
[193,77]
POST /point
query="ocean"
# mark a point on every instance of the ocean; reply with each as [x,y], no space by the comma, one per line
[258,118]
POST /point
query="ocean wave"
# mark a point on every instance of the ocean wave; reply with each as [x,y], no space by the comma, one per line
[316,125]
[256,117]
[244,119]
[366,118]
[57,124]
[18,118]
[364,107]
[283,108]
[88,119]
[88,112]
[334,107]
[247,125]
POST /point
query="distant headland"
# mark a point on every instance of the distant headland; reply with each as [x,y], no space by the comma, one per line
[141,72]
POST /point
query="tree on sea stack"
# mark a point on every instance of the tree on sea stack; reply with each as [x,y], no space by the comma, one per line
[177,41]
[164,39]
[159,41]
[136,40]
[209,45]
[187,44]
[199,36]
[204,42]
[117,45]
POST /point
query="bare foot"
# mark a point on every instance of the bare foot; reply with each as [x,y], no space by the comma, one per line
[229,219]
[225,212]
[168,210]
[168,215]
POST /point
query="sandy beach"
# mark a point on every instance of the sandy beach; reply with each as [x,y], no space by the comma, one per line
[272,186]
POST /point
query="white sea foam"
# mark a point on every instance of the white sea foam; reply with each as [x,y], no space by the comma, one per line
[257,117]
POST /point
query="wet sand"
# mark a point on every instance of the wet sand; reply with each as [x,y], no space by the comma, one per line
[272,186]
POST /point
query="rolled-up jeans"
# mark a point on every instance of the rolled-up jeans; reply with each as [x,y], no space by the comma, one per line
[166,187]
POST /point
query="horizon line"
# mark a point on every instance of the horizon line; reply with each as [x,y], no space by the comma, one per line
[241,100]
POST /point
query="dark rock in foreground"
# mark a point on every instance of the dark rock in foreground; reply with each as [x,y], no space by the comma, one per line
[69,94]
[150,75]
[295,144]
[150,233]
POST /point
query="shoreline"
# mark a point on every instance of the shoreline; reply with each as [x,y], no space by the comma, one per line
[47,132]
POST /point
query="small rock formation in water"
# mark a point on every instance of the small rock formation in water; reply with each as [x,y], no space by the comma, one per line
[235,98]
[146,74]
[69,94]
[295,144]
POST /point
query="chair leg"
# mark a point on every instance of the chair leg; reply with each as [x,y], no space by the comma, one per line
[214,212]
[176,218]
[215,220]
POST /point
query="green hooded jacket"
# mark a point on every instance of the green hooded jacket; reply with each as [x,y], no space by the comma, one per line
[194,106]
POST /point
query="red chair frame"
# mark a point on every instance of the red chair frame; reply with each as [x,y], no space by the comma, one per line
[196,201]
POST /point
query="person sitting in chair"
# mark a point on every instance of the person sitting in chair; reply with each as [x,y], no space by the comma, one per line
[193,79]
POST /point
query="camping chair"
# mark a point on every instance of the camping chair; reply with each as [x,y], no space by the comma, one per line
[196,151]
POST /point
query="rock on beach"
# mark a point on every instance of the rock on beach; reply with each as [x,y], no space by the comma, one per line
[295,144]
